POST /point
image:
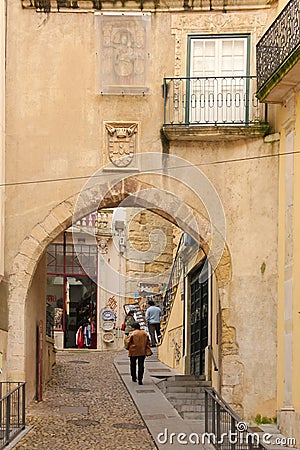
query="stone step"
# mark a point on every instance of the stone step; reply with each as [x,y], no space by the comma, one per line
[184,389]
[181,401]
[190,403]
[185,396]
[182,382]
[187,378]
[193,416]
[190,408]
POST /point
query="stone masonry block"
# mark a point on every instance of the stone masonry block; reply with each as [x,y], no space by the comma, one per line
[232,372]
[63,214]
[39,234]
[135,266]
[31,247]
[52,226]
[17,375]
[224,299]
[23,264]
[227,393]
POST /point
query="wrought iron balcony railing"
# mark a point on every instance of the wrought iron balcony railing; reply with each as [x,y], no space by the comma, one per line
[83,5]
[278,43]
[212,101]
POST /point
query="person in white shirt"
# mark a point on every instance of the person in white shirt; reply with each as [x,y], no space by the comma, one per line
[153,317]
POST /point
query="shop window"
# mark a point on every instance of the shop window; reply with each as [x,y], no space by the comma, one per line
[71,293]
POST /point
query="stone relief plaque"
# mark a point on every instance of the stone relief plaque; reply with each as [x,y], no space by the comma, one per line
[121,142]
[123,53]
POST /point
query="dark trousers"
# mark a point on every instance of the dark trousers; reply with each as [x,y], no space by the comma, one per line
[154,328]
[141,361]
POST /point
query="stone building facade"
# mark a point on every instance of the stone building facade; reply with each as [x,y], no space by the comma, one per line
[279,86]
[111,104]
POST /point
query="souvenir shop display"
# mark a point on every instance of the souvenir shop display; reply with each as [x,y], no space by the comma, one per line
[108,337]
[138,313]
[86,324]
[108,323]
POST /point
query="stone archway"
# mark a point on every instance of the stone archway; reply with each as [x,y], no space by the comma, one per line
[58,220]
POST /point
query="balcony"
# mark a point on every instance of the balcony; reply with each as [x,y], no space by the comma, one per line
[278,56]
[212,108]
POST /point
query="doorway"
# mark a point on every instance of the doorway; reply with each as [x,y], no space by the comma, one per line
[199,284]
[72,294]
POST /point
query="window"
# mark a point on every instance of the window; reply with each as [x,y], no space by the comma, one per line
[218,87]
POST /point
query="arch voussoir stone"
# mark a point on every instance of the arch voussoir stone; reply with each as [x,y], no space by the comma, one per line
[31,248]
[63,213]
[22,264]
[59,219]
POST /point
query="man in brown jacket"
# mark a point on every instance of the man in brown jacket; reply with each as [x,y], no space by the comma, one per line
[138,344]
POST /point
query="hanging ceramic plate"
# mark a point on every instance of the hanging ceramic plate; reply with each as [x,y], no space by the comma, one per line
[108,337]
[108,315]
[108,325]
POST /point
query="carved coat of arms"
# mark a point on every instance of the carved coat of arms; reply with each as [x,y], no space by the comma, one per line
[121,143]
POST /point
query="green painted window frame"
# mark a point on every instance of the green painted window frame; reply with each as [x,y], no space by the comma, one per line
[191,37]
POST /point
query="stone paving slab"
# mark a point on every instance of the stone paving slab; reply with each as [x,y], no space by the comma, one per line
[85,406]
[169,430]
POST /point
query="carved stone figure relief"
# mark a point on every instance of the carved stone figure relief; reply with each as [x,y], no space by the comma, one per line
[102,245]
[124,46]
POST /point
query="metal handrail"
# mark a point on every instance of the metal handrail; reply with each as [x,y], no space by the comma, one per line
[177,261]
[12,411]
[211,352]
[224,428]
[173,281]
[221,402]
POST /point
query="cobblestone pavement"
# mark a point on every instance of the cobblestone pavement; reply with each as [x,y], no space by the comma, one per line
[85,406]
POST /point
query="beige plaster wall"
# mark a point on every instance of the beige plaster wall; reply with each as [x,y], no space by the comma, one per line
[288,397]
[171,349]
[3,305]
[55,119]
[3,329]
[248,192]
[55,130]
[34,312]
[296,306]
[2,132]
[3,355]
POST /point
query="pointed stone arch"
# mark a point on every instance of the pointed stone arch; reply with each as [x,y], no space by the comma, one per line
[58,220]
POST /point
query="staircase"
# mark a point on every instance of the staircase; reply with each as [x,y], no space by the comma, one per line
[186,249]
[186,394]
[172,286]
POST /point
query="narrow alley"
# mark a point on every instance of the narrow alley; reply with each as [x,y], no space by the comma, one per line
[85,406]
